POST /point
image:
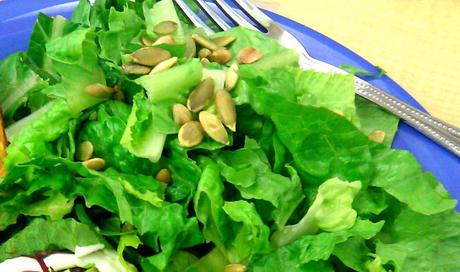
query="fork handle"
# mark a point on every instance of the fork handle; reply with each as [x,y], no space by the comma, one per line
[439,131]
[435,129]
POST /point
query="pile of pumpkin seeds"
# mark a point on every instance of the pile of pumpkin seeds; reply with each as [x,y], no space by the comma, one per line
[151,59]
[85,152]
[201,99]
[195,118]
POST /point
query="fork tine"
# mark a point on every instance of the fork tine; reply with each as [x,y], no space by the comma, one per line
[193,17]
[238,19]
[213,15]
[254,12]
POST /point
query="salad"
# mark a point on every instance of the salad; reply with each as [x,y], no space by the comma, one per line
[132,141]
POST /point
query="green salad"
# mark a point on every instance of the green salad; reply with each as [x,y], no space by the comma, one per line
[135,142]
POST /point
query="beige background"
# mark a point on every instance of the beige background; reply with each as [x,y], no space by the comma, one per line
[416,41]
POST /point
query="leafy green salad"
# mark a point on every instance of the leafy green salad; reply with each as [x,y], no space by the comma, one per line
[135,142]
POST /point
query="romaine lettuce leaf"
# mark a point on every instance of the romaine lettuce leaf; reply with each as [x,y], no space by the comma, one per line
[19,83]
[416,242]
[249,170]
[105,134]
[372,118]
[234,227]
[335,92]
[47,29]
[45,235]
[311,248]
[324,145]
[174,83]
[75,60]
[140,136]
[273,54]
[124,26]
[163,10]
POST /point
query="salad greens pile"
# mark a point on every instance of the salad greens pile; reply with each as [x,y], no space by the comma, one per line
[299,187]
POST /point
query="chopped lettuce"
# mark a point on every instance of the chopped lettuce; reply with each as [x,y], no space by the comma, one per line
[372,118]
[417,242]
[124,27]
[175,83]
[43,235]
[140,136]
[274,55]
[300,187]
[20,87]
[105,134]
[163,10]
[249,170]
[331,211]
[47,29]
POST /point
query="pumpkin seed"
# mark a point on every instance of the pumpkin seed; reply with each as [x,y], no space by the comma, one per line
[92,116]
[147,41]
[204,53]
[95,164]
[377,136]
[165,28]
[204,42]
[248,55]
[164,65]
[204,62]
[213,127]
[136,69]
[150,56]
[339,112]
[168,39]
[190,134]
[98,90]
[223,41]
[190,47]
[163,176]
[181,114]
[201,95]
[84,151]
[118,93]
[226,109]
[231,77]
[221,55]
[235,268]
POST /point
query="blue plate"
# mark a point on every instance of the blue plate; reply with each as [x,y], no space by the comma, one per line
[17,19]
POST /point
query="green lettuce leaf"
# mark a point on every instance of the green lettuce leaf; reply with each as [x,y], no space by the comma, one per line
[185,174]
[105,134]
[249,170]
[234,227]
[417,242]
[373,117]
[74,58]
[311,248]
[47,29]
[251,234]
[335,92]
[331,211]
[124,26]
[163,10]
[140,136]
[324,145]
[273,54]
[180,261]
[401,176]
[174,83]
[129,240]
[19,85]
[44,235]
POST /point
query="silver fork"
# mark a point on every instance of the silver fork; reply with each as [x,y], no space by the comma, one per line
[437,130]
